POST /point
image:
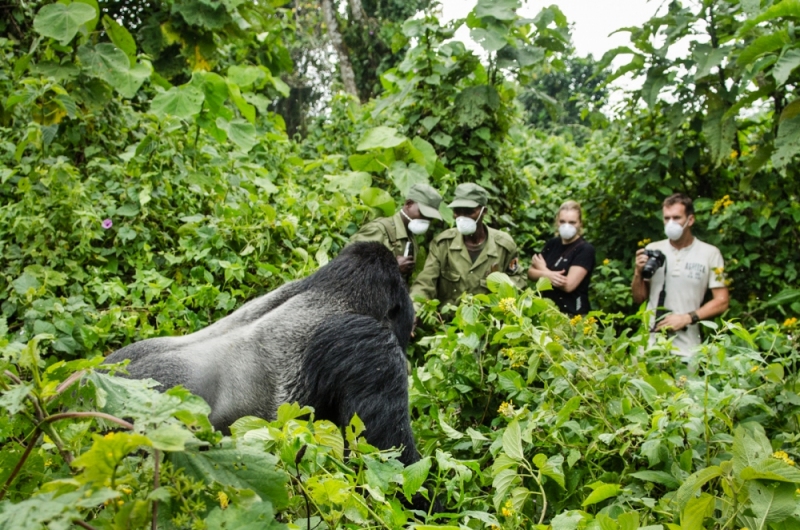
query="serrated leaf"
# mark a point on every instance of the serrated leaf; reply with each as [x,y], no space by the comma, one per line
[771,502]
[61,22]
[551,467]
[499,9]
[241,132]
[244,76]
[100,462]
[491,39]
[786,65]
[414,476]
[255,516]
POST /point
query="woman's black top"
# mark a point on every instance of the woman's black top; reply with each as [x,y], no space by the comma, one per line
[560,257]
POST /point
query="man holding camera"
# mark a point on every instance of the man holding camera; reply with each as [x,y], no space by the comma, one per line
[673,275]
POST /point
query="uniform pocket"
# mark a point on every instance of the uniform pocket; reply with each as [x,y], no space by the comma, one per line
[451,276]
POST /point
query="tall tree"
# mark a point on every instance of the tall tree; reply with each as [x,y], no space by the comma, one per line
[345,68]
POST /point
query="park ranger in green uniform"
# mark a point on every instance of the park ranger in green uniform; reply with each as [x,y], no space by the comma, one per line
[461,258]
[422,205]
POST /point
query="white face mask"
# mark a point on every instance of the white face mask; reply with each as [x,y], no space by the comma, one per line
[467,225]
[674,230]
[416,226]
[567,231]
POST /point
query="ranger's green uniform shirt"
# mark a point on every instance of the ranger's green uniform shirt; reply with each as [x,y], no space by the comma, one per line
[389,231]
[449,270]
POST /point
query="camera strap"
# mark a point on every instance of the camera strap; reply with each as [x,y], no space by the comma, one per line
[662,298]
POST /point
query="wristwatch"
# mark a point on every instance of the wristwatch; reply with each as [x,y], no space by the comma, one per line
[695,318]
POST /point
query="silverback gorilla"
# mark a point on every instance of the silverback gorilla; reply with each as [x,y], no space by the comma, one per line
[335,340]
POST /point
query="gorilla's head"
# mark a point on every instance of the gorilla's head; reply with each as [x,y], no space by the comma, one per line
[366,279]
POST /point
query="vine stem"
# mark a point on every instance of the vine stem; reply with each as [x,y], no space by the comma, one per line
[18,467]
[84,524]
[102,415]
[156,484]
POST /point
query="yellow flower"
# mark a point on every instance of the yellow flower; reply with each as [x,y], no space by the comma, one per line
[508,509]
[574,320]
[223,500]
[721,204]
[507,305]
[644,242]
[606,261]
[126,490]
[734,154]
[506,409]
[754,369]
[789,322]
[781,455]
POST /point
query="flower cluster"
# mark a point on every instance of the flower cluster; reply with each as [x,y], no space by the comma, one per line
[781,455]
[644,242]
[721,204]
[790,322]
[588,325]
[506,409]
[507,305]
[508,509]
[606,261]
[517,358]
[754,369]
[575,320]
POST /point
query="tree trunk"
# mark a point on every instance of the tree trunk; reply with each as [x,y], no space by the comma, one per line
[345,68]
[357,9]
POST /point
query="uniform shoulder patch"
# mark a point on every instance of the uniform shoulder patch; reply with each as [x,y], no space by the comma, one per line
[505,241]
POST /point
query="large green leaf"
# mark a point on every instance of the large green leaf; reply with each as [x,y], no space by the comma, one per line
[181,102]
[244,76]
[771,469]
[405,175]
[719,132]
[424,154]
[414,476]
[499,9]
[258,516]
[121,38]
[241,132]
[351,183]
[491,39]
[61,22]
[602,492]
[242,467]
[551,467]
[109,63]
[696,511]
[763,44]
[771,502]
[658,477]
[707,57]
[785,65]
[694,482]
[380,199]
[512,441]
[380,137]
[474,104]
[215,90]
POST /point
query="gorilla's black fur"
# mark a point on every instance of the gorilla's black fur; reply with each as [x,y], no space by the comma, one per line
[335,340]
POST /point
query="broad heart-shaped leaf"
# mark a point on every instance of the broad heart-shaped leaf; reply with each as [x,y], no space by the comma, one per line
[405,175]
[785,65]
[258,516]
[771,502]
[244,76]
[512,441]
[240,132]
[380,137]
[424,154]
[181,102]
[491,39]
[380,199]
[128,82]
[414,476]
[121,38]
[696,511]
[101,60]
[351,183]
[214,88]
[61,22]
[107,452]
[241,466]
[499,9]
[601,493]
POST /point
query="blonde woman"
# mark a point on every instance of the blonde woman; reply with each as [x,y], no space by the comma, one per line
[568,261]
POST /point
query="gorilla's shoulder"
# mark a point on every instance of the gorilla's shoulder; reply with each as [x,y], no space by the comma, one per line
[447,235]
[366,251]
[503,239]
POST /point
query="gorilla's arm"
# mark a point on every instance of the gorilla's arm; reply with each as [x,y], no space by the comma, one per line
[353,364]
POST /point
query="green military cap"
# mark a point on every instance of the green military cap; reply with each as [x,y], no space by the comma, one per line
[428,200]
[469,195]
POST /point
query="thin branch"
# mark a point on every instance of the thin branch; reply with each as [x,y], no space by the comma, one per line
[102,415]
[13,475]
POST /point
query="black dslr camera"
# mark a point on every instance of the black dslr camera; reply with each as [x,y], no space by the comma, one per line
[655,259]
